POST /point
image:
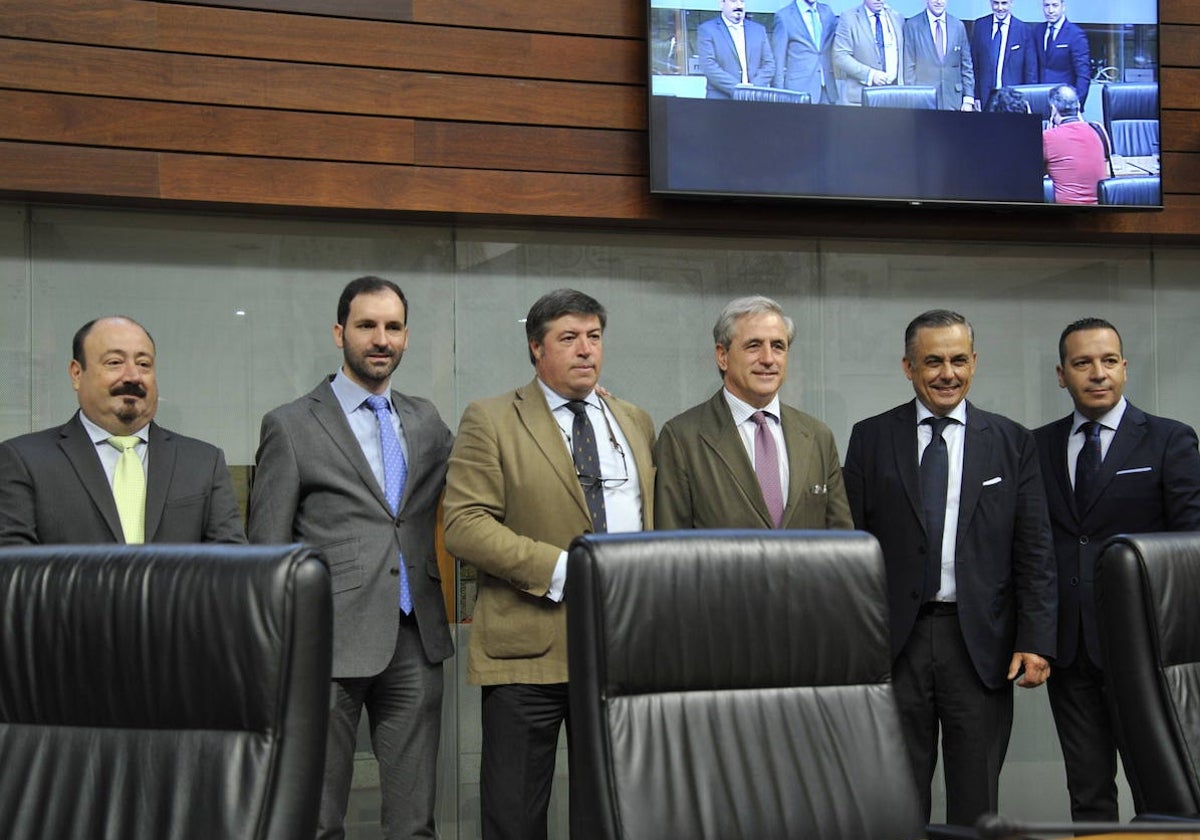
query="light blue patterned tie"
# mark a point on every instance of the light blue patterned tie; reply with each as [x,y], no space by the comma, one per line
[395,474]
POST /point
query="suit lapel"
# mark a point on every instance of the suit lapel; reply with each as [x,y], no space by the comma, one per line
[904,448]
[720,435]
[327,411]
[81,453]
[544,431]
[1061,478]
[1125,439]
[163,451]
[976,448]
[414,440]
[799,446]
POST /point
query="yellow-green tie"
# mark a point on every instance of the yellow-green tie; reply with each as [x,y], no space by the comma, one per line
[129,488]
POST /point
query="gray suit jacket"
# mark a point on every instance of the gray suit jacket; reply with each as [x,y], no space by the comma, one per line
[53,489]
[313,485]
[705,479]
[953,75]
[513,504]
[855,54]
[799,63]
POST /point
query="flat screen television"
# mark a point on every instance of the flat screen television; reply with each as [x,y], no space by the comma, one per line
[877,115]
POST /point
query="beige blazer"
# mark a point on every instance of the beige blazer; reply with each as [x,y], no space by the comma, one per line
[513,503]
[705,479]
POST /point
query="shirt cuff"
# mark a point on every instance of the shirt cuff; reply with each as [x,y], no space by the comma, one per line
[558,580]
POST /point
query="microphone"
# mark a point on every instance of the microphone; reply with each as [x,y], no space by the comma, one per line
[996,827]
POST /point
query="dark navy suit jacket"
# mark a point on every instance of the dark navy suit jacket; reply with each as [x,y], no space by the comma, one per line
[1149,481]
[1020,60]
[1067,61]
[1003,566]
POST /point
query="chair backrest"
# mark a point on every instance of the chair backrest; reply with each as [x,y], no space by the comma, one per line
[1135,137]
[920,97]
[162,692]
[1128,101]
[734,684]
[1147,591]
[1105,141]
[1038,97]
[1131,190]
[759,93]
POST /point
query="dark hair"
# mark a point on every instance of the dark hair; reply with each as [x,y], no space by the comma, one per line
[1007,100]
[554,305]
[934,318]
[83,332]
[1065,100]
[1086,324]
[366,286]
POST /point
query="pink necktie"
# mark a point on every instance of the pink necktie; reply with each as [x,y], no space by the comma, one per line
[766,467]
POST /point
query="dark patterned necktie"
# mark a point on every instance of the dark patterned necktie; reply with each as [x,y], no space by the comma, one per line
[1087,465]
[587,464]
[935,478]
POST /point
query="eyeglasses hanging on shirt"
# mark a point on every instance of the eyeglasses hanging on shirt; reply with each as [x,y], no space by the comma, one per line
[587,481]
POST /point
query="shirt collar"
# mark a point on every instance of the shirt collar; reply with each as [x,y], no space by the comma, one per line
[959,413]
[1109,420]
[742,410]
[350,395]
[556,400]
[100,435]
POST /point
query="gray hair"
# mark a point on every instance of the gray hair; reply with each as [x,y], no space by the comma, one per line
[1065,100]
[740,308]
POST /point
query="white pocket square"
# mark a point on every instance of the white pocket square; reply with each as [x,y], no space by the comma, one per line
[1134,470]
[992,481]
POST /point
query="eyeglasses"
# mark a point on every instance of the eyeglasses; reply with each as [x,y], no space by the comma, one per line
[590,481]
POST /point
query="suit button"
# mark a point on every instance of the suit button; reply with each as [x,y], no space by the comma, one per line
[1074,581]
[914,594]
[920,549]
[1083,539]
[394,571]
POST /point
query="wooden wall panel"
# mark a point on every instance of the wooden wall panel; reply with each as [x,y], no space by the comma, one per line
[468,109]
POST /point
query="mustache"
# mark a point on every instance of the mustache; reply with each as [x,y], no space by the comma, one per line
[128,389]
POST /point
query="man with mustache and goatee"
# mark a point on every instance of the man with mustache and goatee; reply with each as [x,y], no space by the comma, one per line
[356,469]
[110,474]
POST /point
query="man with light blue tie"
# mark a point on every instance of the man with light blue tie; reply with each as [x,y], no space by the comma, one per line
[356,470]
[802,41]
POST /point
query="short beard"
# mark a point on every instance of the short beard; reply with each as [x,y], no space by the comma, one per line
[368,373]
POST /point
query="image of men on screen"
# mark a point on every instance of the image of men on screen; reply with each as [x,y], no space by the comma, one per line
[1072,150]
[802,41]
[734,50]
[937,52]
[1063,56]
[868,50]
[1002,52]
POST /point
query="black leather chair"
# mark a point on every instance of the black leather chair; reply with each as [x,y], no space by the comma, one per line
[1131,117]
[1038,97]
[733,684]
[920,97]
[162,692]
[759,93]
[1147,592]
[1133,190]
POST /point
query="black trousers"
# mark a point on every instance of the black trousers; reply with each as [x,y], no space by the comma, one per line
[521,724]
[936,688]
[1077,699]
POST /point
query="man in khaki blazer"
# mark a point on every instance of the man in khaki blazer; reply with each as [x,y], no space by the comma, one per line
[515,499]
[706,456]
